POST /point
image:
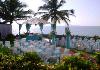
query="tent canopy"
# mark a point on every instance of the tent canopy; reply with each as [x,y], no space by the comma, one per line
[36,21]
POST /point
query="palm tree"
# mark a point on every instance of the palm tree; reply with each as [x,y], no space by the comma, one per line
[51,10]
[11,10]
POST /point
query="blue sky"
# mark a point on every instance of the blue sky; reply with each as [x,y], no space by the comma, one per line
[86,11]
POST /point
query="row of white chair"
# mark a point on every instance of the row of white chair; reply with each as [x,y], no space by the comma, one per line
[43,49]
[7,44]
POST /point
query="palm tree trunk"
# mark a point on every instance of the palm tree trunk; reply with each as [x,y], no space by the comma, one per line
[20,25]
[53,34]
[41,28]
[11,25]
[28,27]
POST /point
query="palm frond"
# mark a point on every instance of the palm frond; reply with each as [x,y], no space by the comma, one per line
[44,7]
[13,9]
[61,3]
[53,12]
[46,1]
[72,11]
[46,16]
[66,22]
[39,13]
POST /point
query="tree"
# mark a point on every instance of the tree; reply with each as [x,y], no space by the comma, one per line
[11,10]
[51,10]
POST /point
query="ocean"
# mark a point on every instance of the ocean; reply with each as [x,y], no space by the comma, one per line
[75,30]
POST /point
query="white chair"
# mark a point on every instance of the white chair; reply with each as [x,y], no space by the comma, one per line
[57,53]
[58,48]
[14,49]
[24,49]
[1,43]
[16,44]
[7,44]
[62,41]
[66,51]
[25,44]
[57,41]
[49,51]
[31,42]
[23,39]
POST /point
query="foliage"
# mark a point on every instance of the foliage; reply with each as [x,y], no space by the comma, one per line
[61,66]
[63,46]
[98,58]
[53,12]
[21,36]
[30,56]
[78,63]
[27,61]
[52,34]
[5,50]
[73,50]
[11,38]
[96,37]
[11,10]
[31,61]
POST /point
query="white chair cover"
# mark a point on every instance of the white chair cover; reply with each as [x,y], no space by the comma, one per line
[7,44]
[1,43]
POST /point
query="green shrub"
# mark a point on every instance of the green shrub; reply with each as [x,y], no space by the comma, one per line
[78,63]
[98,58]
[61,66]
[70,62]
[28,61]
[83,64]
[11,38]
[5,50]
[32,56]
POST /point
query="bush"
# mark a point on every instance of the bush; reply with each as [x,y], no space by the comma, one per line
[61,66]
[31,61]
[78,63]
[98,58]
[11,38]
[5,50]
[32,56]
[28,61]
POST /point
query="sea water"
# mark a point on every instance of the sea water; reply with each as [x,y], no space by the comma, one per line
[75,30]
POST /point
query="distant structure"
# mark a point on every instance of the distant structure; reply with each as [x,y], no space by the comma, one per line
[5,29]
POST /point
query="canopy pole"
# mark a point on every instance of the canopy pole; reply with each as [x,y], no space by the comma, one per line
[67,31]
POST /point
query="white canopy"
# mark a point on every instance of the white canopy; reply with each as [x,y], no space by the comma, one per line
[36,21]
